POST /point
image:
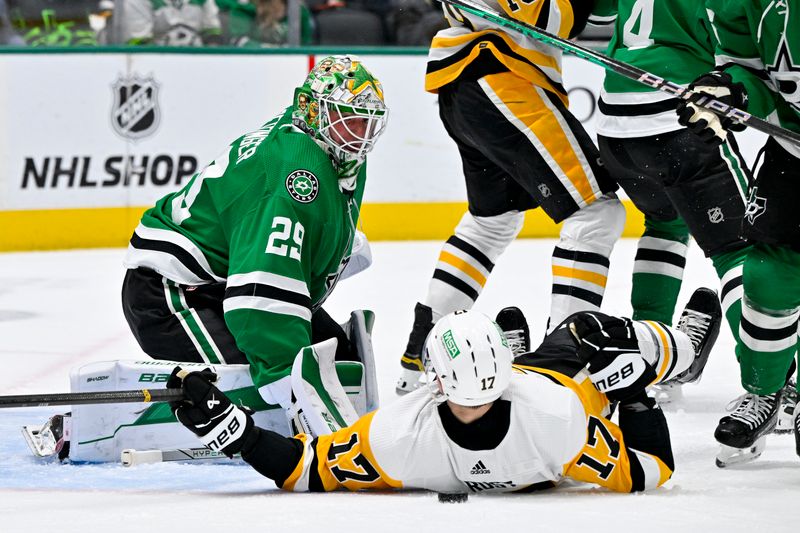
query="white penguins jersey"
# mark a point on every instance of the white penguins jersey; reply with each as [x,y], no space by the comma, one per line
[557,427]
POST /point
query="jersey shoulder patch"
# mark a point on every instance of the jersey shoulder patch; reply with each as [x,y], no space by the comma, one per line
[303,186]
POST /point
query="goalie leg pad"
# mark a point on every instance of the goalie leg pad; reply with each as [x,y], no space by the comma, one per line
[359,331]
[319,403]
[100,432]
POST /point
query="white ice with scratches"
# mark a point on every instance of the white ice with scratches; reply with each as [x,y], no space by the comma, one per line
[62,309]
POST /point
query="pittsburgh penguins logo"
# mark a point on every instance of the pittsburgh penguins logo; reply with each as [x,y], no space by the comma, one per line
[303,186]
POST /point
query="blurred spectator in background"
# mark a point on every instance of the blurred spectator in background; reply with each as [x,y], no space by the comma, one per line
[251,23]
[53,22]
[415,22]
[351,22]
[169,22]
[7,34]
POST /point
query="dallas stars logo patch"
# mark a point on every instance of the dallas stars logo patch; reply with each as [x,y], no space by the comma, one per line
[303,186]
[756,205]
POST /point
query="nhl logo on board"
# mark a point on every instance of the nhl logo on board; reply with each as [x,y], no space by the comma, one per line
[303,186]
[135,113]
[715,215]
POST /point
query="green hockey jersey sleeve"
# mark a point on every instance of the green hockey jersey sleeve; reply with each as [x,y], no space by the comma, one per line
[736,51]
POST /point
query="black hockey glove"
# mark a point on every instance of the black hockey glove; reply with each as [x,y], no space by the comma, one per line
[609,348]
[208,413]
[707,125]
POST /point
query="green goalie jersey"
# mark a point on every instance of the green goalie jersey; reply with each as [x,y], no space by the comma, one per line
[268,219]
[759,45]
[670,38]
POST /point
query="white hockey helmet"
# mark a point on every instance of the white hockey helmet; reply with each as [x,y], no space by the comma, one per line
[469,355]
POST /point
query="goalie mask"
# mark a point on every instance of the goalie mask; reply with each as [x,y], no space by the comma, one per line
[340,105]
[469,355]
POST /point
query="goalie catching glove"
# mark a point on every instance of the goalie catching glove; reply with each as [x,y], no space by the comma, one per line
[208,413]
[610,349]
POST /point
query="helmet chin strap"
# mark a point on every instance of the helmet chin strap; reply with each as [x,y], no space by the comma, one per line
[347,171]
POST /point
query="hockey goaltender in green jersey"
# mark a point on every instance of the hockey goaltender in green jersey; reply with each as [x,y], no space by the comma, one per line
[268,217]
[274,219]
[232,270]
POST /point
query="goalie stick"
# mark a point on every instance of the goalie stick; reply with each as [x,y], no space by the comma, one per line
[86,398]
[626,70]
[132,457]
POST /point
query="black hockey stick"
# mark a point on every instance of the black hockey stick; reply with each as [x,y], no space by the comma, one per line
[87,398]
[626,70]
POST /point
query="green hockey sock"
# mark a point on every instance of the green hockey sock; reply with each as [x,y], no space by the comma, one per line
[658,270]
[770,309]
[729,266]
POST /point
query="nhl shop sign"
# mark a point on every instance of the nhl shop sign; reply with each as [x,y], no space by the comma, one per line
[135,113]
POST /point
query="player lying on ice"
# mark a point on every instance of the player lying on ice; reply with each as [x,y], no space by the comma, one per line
[484,424]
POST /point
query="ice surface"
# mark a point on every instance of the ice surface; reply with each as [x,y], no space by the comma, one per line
[61,309]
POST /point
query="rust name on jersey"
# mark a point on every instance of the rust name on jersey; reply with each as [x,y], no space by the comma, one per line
[482,486]
[86,172]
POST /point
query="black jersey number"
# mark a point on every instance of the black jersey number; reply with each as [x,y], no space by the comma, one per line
[367,474]
[514,5]
[599,431]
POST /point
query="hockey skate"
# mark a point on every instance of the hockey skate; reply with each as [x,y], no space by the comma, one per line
[666,393]
[796,417]
[789,397]
[50,439]
[413,368]
[515,327]
[700,321]
[742,434]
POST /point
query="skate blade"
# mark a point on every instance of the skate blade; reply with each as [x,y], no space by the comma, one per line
[729,456]
[785,424]
[409,381]
[666,393]
[41,444]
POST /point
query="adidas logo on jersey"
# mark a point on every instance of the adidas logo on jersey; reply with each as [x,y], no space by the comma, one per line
[479,468]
